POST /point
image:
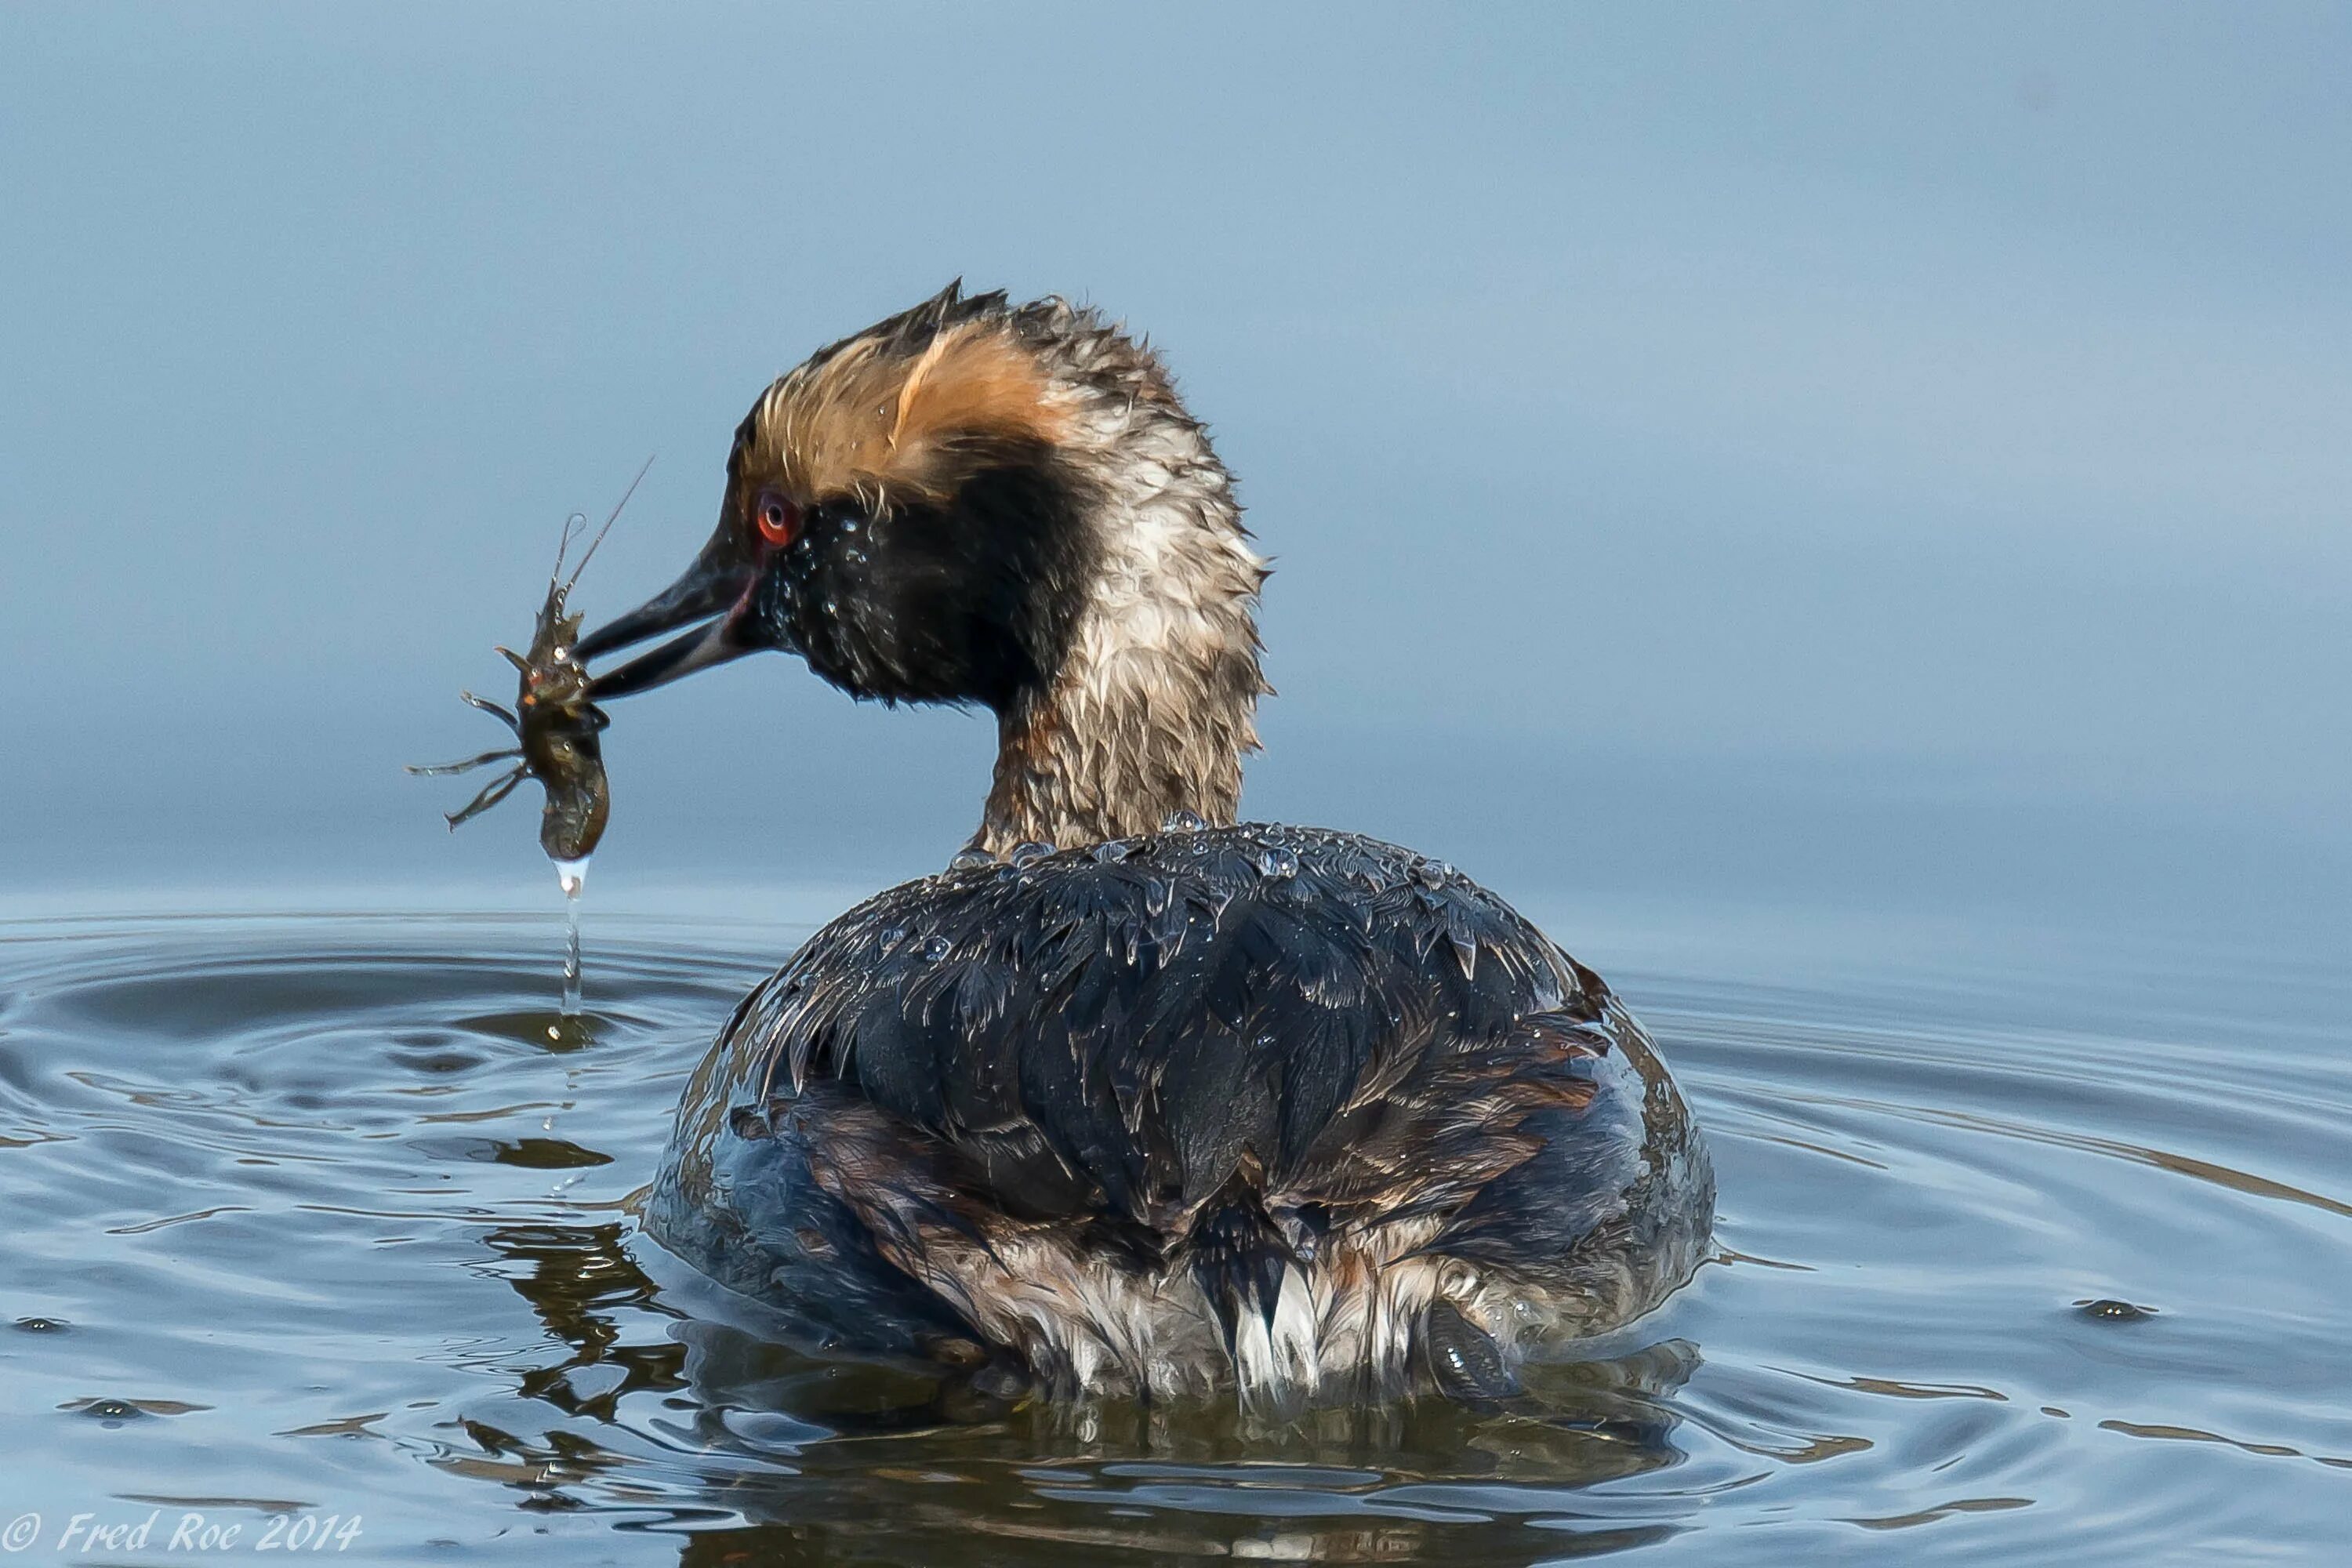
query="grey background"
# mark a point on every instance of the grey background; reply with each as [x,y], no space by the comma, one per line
[1861,459]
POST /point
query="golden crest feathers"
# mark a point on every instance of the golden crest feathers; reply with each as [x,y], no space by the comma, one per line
[905,410]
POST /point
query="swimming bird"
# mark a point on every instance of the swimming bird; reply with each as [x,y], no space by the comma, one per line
[1133,1099]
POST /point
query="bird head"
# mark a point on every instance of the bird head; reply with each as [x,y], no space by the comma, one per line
[979,503]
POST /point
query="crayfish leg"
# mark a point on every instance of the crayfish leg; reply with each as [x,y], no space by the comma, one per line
[497,791]
[437,769]
[486,706]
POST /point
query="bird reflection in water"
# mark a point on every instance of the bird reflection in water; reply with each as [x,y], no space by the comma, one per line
[756,1450]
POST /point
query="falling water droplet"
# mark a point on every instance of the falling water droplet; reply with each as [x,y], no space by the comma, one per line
[1277,861]
[1027,855]
[1182,822]
[572,876]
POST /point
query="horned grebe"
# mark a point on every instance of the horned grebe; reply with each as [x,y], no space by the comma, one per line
[1130,1098]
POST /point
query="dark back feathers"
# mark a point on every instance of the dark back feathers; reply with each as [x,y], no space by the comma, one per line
[1124,1034]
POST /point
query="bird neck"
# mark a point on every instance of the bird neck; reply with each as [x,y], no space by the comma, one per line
[1154,702]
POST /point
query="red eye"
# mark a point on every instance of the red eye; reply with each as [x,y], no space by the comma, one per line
[778,518]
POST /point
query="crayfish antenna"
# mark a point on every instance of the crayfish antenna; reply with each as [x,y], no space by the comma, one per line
[569,581]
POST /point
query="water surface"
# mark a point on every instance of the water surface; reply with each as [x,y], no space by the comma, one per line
[332,1213]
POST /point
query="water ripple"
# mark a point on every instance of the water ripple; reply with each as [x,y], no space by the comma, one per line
[340,1209]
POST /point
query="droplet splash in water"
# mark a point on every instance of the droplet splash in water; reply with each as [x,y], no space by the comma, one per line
[2109,1310]
[572,876]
